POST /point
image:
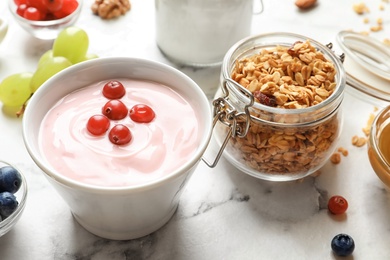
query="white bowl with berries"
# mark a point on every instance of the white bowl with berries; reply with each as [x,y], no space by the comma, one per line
[44,19]
[121,174]
[13,196]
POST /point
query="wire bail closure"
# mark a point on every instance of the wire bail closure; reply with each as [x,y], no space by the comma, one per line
[226,113]
[341,56]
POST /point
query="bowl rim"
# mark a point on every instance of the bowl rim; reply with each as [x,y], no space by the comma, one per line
[69,182]
[45,23]
[10,220]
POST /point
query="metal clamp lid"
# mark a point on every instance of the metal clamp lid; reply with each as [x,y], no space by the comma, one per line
[226,113]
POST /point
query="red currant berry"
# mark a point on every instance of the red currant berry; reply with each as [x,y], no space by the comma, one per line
[115,109]
[21,9]
[68,7]
[142,113]
[114,90]
[20,2]
[50,17]
[52,5]
[33,14]
[38,4]
[337,205]
[98,124]
[120,134]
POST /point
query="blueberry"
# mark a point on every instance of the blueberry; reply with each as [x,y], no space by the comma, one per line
[8,204]
[343,245]
[10,179]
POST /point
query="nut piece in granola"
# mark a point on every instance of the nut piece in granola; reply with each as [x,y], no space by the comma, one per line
[109,9]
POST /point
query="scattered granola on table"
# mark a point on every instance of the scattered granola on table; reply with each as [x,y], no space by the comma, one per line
[361,8]
[343,151]
[109,9]
[359,141]
[376,28]
[335,158]
[366,130]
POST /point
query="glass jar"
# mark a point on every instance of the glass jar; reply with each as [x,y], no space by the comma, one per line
[198,33]
[378,145]
[272,142]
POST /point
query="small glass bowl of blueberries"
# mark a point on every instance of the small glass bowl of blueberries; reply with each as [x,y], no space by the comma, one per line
[13,196]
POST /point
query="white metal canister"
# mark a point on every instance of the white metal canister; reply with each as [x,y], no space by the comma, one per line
[199,32]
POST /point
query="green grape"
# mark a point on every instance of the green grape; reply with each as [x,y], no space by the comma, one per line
[15,89]
[89,56]
[47,69]
[71,43]
[48,54]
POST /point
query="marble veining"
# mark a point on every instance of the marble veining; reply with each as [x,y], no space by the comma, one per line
[223,213]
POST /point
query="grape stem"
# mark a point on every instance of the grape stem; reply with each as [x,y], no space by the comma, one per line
[23,108]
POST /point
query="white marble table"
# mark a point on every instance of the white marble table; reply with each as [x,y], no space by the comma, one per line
[223,213]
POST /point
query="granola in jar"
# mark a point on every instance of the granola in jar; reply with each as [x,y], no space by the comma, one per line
[295,120]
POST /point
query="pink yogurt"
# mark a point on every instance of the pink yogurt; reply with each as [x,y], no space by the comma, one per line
[156,149]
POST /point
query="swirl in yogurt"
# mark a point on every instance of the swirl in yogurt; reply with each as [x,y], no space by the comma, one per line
[156,149]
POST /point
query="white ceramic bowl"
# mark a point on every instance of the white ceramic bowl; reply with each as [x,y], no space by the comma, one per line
[128,212]
[45,30]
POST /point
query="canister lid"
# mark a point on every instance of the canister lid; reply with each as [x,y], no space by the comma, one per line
[367,64]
